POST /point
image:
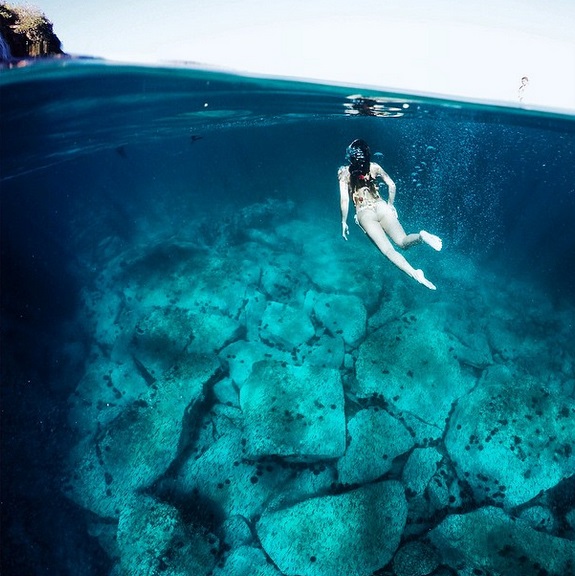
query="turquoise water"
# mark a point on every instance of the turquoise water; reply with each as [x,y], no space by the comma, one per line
[199,376]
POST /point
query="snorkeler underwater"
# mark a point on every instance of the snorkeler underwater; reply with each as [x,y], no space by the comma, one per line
[376,217]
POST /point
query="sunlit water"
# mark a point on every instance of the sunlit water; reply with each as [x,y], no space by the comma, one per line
[199,376]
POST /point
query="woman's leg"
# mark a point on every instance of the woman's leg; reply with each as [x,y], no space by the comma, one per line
[370,223]
[390,223]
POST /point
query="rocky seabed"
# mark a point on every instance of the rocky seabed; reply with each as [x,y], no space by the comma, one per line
[272,404]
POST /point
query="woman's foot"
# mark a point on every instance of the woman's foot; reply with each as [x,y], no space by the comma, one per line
[432,240]
[419,276]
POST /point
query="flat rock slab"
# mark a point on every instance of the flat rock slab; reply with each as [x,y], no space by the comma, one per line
[103,393]
[420,468]
[164,333]
[160,337]
[246,561]
[353,534]
[241,356]
[293,411]
[376,438]
[217,284]
[282,281]
[342,315]
[500,434]
[151,535]
[137,446]
[412,364]
[355,267]
[286,326]
[210,332]
[222,476]
[327,351]
[415,559]
[489,541]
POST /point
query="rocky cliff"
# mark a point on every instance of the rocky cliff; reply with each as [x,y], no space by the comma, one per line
[26,33]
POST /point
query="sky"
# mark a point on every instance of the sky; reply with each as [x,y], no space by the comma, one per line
[470,49]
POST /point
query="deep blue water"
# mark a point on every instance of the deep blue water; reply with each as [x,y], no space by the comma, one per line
[102,162]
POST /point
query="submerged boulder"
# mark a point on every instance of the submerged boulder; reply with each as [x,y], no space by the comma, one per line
[376,438]
[281,281]
[246,561]
[103,393]
[539,518]
[218,285]
[160,337]
[500,434]
[164,333]
[153,539]
[420,468]
[136,447]
[223,476]
[326,351]
[353,534]
[412,364]
[240,357]
[415,559]
[286,326]
[342,315]
[293,411]
[488,540]
[344,269]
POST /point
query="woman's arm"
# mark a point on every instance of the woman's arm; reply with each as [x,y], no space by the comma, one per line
[390,187]
[344,203]
[390,184]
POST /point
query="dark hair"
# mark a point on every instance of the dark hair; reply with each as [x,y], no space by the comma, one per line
[358,155]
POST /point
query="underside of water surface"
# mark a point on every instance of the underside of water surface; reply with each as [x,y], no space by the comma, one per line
[201,377]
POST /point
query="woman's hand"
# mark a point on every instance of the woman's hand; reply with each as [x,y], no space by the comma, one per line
[344,230]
